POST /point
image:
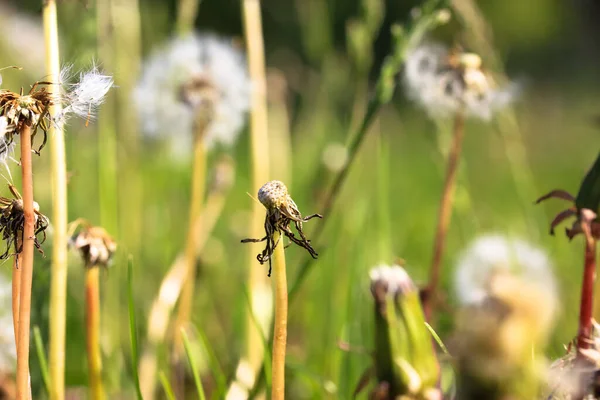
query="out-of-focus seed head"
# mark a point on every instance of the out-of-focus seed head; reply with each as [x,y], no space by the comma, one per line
[492,257]
[194,79]
[498,343]
[335,157]
[95,245]
[445,82]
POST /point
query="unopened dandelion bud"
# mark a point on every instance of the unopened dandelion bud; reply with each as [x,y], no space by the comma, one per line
[404,355]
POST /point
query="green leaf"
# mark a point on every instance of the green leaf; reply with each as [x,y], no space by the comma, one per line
[166,386]
[39,348]
[132,328]
[589,192]
[193,365]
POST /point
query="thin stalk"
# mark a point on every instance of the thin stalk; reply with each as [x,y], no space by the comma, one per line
[259,149]
[587,296]
[92,321]
[16,293]
[187,13]
[169,292]
[58,282]
[187,296]
[280,324]
[26,265]
[444,214]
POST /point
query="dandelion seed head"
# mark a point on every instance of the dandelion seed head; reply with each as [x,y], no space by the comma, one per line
[444,82]
[195,71]
[95,245]
[491,260]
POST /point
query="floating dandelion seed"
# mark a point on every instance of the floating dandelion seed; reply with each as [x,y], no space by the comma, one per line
[446,81]
[84,97]
[12,220]
[281,211]
[492,256]
[196,76]
[95,245]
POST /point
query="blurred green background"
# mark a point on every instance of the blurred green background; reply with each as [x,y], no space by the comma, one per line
[388,208]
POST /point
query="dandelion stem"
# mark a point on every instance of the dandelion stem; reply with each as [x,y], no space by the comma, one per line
[26,265]
[169,292]
[92,321]
[259,141]
[197,197]
[186,16]
[587,295]
[58,284]
[444,214]
[280,325]
[16,292]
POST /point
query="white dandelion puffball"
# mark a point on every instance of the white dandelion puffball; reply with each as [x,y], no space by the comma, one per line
[443,82]
[493,256]
[158,96]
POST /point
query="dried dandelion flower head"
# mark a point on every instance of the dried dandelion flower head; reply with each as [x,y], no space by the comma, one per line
[445,82]
[281,211]
[12,220]
[195,79]
[33,109]
[95,245]
[491,258]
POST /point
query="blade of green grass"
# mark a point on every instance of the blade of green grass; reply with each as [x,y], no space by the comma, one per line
[132,328]
[39,347]
[215,367]
[166,386]
[192,361]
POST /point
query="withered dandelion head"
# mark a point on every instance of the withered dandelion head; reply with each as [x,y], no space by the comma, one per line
[12,220]
[95,245]
[447,81]
[281,211]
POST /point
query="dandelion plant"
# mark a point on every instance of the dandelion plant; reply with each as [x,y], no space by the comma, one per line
[450,83]
[96,247]
[281,212]
[194,92]
[26,114]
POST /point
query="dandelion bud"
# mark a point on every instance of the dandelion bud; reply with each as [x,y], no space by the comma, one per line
[405,361]
[95,245]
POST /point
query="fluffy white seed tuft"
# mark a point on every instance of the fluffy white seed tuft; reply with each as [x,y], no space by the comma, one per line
[443,83]
[163,111]
[84,97]
[490,258]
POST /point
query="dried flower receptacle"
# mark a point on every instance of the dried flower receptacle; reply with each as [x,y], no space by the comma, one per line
[12,219]
[95,245]
[281,211]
